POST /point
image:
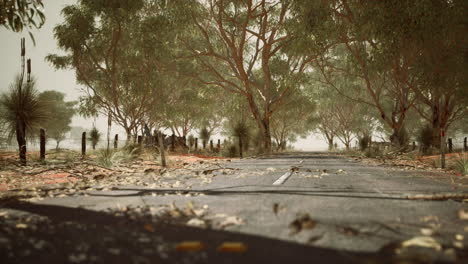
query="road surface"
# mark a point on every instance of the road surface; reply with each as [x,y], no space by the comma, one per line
[295,208]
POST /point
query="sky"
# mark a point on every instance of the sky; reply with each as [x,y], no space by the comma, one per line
[48,78]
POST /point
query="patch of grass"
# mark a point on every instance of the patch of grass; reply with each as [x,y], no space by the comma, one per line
[461,163]
[109,158]
[437,162]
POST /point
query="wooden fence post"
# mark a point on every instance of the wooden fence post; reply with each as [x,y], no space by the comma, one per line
[414,145]
[465,145]
[161,149]
[140,140]
[116,141]
[219,144]
[42,144]
[173,142]
[442,148]
[196,144]
[211,145]
[450,145]
[83,144]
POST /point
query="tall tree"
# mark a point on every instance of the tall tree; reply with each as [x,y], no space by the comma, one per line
[245,47]
[102,41]
[23,112]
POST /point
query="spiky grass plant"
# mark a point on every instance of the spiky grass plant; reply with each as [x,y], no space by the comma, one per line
[22,112]
[94,136]
[111,157]
[205,136]
[461,163]
[241,131]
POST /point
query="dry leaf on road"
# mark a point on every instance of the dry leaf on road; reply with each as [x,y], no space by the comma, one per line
[422,241]
[463,214]
[237,247]
[231,220]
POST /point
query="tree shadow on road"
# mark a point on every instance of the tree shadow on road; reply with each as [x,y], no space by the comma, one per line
[58,234]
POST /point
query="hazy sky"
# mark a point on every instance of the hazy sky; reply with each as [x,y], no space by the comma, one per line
[64,80]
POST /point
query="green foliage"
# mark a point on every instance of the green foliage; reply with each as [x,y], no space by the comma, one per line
[15,15]
[94,136]
[59,114]
[425,138]
[25,105]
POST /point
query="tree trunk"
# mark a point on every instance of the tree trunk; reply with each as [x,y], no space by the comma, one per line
[21,139]
[436,127]
[266,135]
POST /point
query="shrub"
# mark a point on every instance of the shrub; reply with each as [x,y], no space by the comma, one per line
[425,138]
[94,136]
[364,142]
[230,151]
[191,141]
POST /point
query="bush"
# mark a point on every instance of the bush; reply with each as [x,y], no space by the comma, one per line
[94,136]
[191,141]
[364,142]
[425,138]
[231,151]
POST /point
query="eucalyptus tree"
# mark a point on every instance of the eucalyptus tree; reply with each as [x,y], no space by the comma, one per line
[249,48]
[408,54]
[59,114]
[15,15]
[295,118]
[432,34]
[115,51]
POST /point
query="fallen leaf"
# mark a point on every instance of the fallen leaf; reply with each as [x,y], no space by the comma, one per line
[231,220]
[427,231]
[21,226]
[458,244]
[149,227]
[302,222]
[463,214]
[196,222]
[237,247]
[422,241]
[349,231]
[275,208]
[190,246]
[314,239]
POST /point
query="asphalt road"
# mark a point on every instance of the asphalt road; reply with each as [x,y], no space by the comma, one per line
[329,210]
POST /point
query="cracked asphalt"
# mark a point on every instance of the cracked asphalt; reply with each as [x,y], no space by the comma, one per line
[356,213]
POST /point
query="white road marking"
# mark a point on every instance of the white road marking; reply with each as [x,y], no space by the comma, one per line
[283,178]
